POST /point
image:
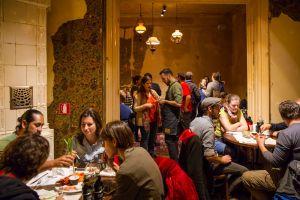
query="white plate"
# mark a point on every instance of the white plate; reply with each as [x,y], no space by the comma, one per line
[69,189]
[46,194]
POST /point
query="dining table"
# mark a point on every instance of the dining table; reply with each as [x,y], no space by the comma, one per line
[247,140]
[47,185]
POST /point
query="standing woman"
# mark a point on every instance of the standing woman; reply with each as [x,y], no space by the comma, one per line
[87,143]
[147,111]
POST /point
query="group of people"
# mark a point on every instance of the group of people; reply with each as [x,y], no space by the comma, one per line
[207,111]
[193,129]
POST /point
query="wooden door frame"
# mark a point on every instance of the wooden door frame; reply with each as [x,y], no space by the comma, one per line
[257,25]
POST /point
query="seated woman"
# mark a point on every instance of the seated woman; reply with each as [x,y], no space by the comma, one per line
[87,143]
[138,177]
[231,119]
[20,162]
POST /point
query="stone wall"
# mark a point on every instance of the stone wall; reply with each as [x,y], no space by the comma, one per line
[78,71]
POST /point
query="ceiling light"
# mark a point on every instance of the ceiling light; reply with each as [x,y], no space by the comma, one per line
[164,8]
[140,27]
[176,35]
[152,41]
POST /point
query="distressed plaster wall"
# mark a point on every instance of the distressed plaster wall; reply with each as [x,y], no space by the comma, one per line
[78,70]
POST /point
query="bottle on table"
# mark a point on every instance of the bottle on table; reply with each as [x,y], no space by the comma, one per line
[87,188]
[98,189]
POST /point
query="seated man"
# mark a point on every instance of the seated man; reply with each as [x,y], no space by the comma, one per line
[203,127]
[31,122]
[20,162]
[231,119]
[275,127]
[261,183]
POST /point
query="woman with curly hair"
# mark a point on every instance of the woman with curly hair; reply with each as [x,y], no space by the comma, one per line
[21,161]
[87,143]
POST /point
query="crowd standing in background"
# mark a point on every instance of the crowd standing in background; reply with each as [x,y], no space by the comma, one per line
[193,121]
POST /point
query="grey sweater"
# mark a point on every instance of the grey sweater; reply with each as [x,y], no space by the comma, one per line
[287,147]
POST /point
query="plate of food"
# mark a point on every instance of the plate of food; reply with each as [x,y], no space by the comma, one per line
[70,188]
[70,179]
[91,170]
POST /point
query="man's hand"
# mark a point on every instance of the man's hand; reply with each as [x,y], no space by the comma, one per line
[265,127]
[64,161]
[225,159]
[260,139]
[274,134]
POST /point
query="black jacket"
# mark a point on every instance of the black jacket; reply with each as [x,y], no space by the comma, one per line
[14,189]
[192,162]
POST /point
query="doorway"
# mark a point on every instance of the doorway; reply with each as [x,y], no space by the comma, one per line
[257,63]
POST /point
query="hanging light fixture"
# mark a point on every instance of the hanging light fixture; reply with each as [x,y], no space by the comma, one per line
[152,41]
[176,35]
[140,28]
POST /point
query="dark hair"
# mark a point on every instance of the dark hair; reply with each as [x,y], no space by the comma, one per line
[181,76]
[166,71]
[289,110]
[135,79]
[28,117]
[217,76]
[90,112]
[143,81]
[207,78]
[24,155]
[230,97]
[188,75]
[120,132]
[148,74]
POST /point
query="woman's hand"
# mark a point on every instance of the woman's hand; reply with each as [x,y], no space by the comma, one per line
[148,105]
[116,167]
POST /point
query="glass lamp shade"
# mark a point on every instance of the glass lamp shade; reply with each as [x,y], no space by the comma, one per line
[176,36]
[152,42]
[140,28]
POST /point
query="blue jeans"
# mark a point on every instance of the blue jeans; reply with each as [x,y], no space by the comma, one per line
[219,146]
[172,143]
[148,137]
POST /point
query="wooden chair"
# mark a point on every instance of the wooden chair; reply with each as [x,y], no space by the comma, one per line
[221,181]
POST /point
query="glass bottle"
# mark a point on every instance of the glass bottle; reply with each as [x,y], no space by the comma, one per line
[98,189]
[87,188]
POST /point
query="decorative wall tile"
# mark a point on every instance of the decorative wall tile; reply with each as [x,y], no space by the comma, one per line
[41,55]
[15,75]
[1,75]
[31,75]
[41,36]
[9,32]
[41,75]
[10,120]
[1,97]
[78,50]
[9,51]
[25,55]
[26,34]
[2,121]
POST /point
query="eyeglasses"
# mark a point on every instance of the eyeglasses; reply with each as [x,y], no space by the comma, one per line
[87,124]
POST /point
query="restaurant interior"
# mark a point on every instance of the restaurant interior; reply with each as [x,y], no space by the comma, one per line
[64,56]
